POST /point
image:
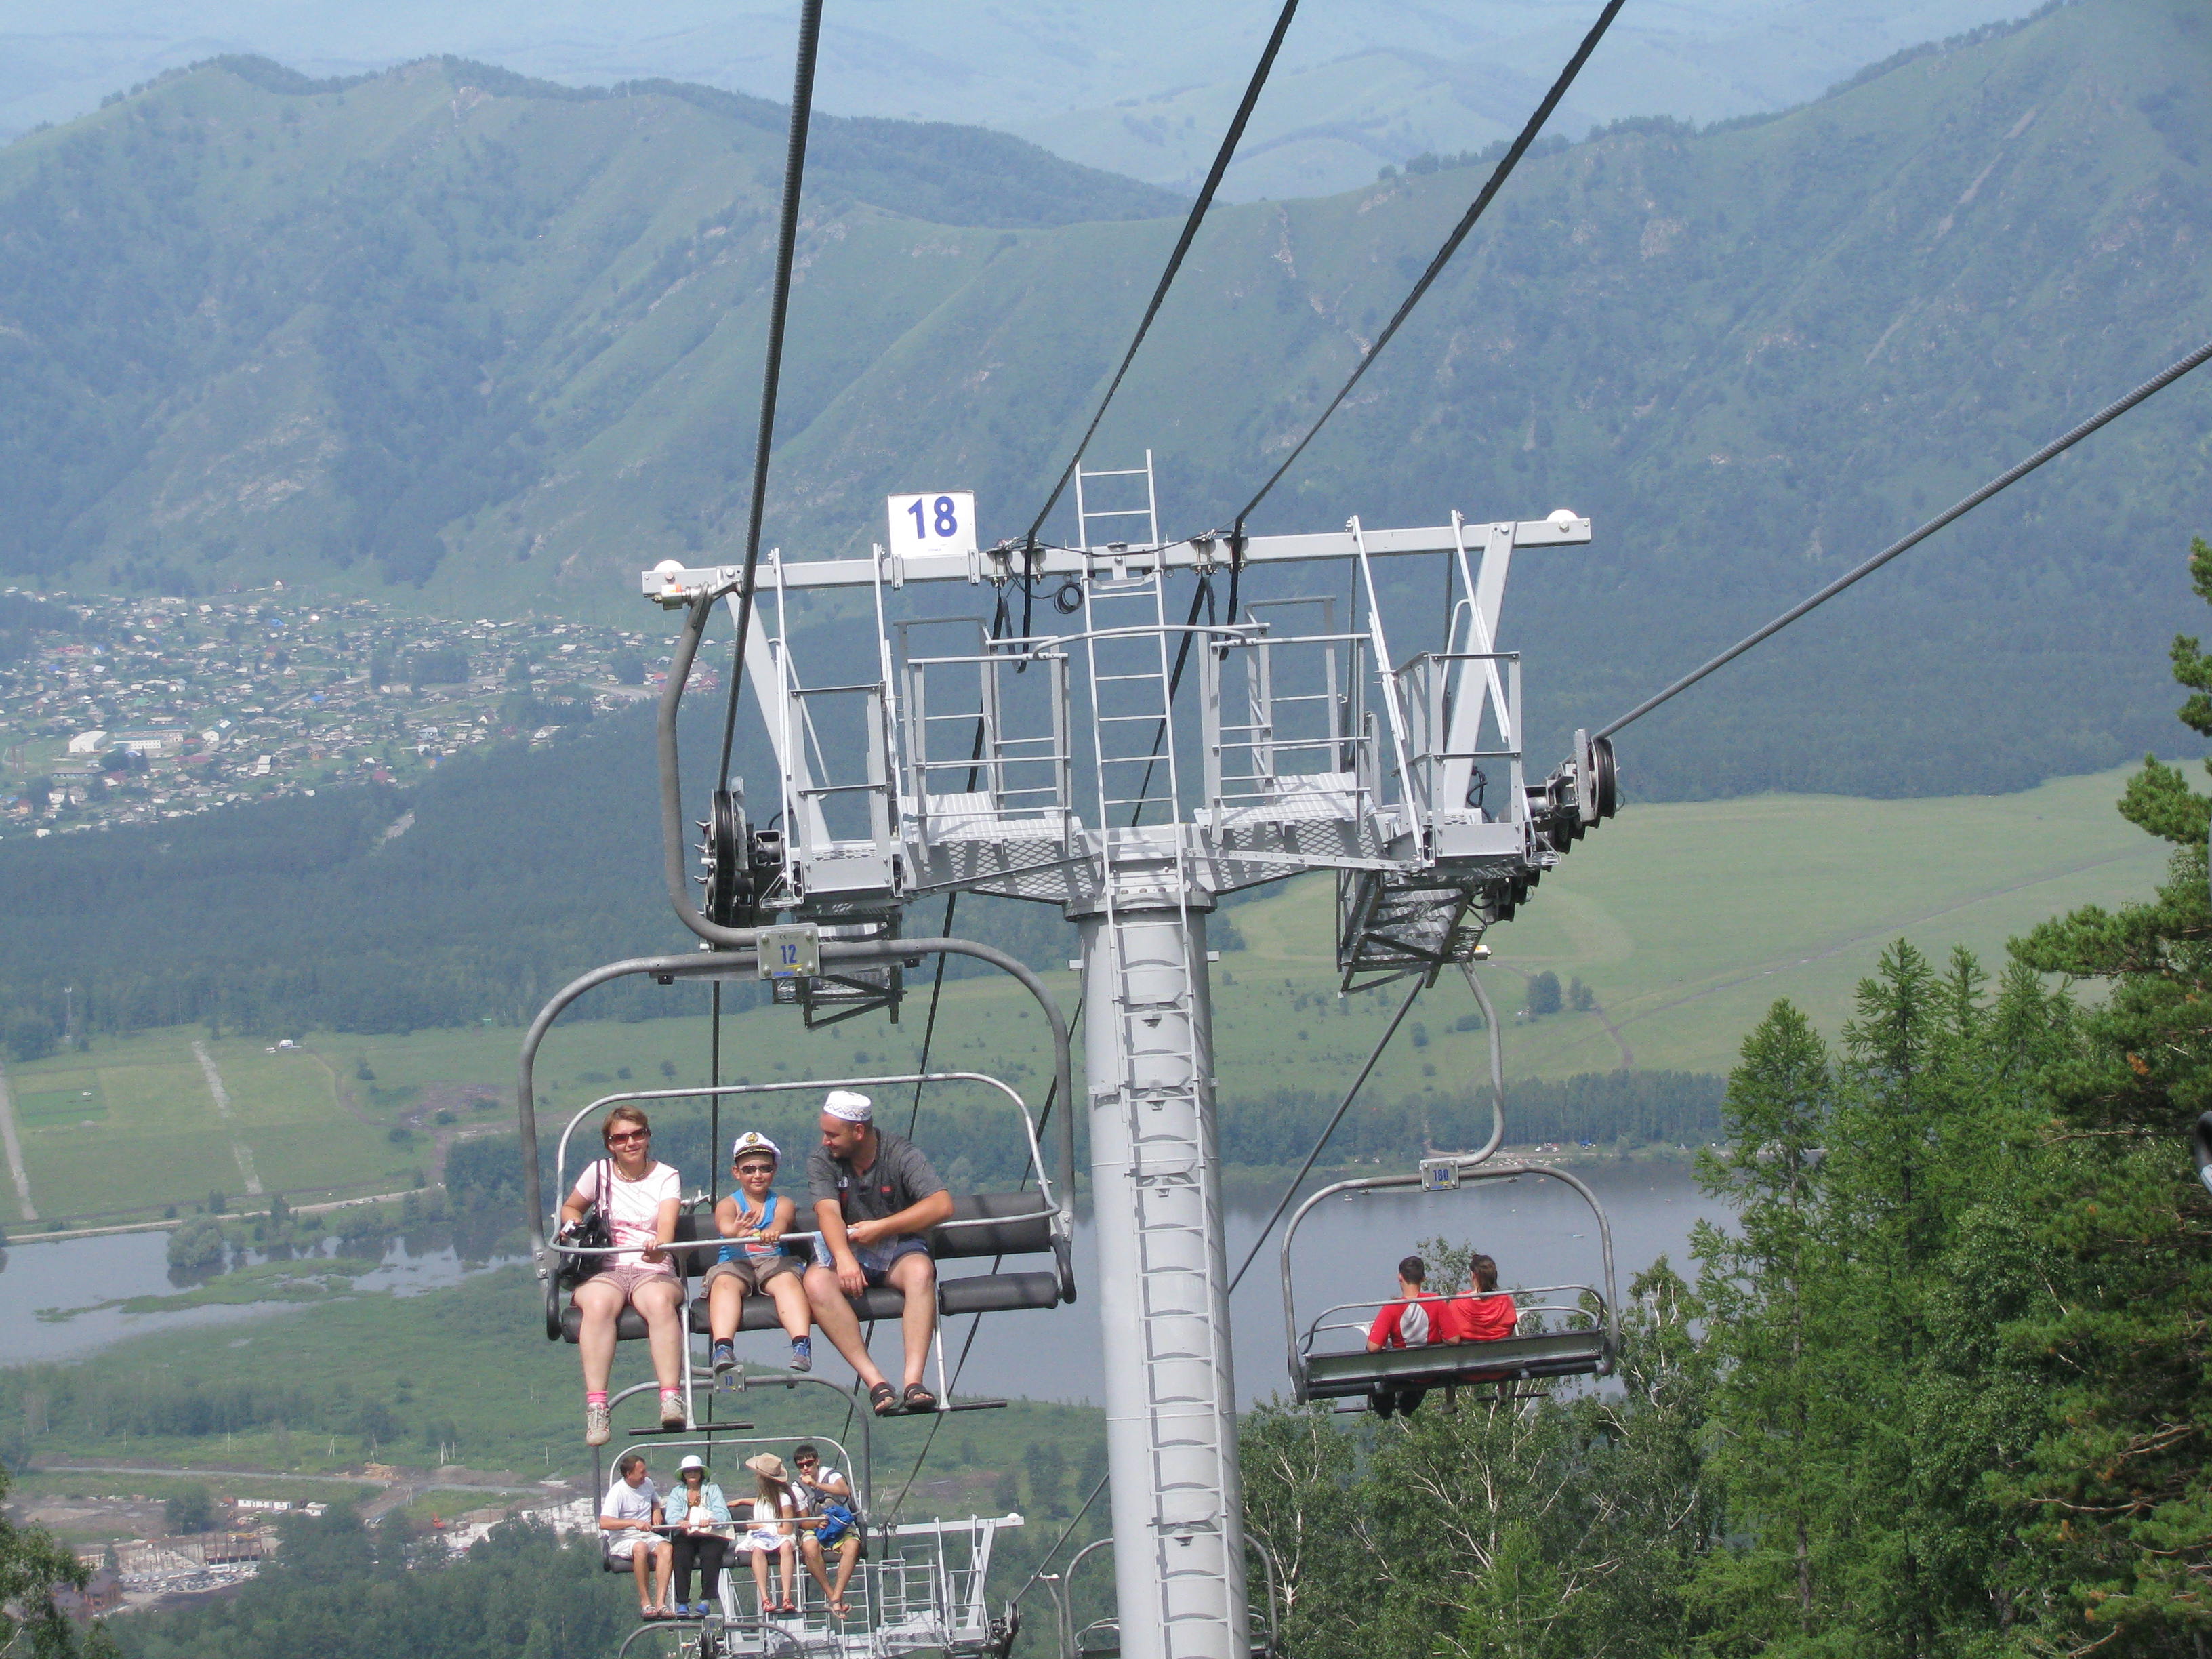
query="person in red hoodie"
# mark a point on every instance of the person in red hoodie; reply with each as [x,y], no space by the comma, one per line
[1486,1315]
[1415,1319]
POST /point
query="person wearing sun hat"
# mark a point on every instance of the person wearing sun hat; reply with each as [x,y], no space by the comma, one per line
[775,1530]
[701,1517]
[875,1195]
[755,1263]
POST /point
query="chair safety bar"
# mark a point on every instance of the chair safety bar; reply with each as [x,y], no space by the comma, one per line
[807,1085]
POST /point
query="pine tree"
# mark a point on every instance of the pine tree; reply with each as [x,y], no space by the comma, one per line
[2119,1490]
[1762,1284]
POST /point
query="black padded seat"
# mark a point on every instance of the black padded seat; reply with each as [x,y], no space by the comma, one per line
[1518,1358]
[1016,1228]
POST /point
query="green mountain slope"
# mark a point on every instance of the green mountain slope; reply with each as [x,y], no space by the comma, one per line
[450,328]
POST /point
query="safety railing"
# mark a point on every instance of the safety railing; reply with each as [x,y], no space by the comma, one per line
[1319,738]
[1451,698]
[1001,751]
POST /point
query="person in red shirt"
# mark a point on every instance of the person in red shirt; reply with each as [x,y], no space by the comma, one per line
[1488,1314]
[1415,1319]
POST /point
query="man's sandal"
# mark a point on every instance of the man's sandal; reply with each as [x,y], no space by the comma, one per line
[918,1400]
[883,1399]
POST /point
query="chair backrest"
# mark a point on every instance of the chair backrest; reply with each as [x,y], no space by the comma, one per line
[1030,1235]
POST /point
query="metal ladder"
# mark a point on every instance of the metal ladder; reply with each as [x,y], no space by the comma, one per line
[1153,974]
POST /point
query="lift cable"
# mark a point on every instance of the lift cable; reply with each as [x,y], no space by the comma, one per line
[2056,446]
[1343,1106]
[1202,599]
[794,165]
[1198,209]
[974,1321]
[1490,189]
[1065,1532]
[794,168]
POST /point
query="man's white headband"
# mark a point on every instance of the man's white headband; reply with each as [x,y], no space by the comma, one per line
[851,1108]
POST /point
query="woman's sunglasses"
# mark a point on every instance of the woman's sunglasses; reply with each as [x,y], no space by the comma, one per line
[624,1138]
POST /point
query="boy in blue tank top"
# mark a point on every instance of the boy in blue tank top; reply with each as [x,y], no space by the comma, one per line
[755,1218]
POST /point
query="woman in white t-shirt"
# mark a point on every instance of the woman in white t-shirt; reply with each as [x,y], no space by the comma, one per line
[775,1530]
[639,1202]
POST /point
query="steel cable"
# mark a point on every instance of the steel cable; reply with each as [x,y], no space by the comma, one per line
[1196,217]
[2056,446]
[787,237]
[1343,1106]
[1490,189]
[1065,1533]
[975,1321]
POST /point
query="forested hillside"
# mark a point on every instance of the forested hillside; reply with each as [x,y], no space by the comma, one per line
[1938,1392]
[498,341]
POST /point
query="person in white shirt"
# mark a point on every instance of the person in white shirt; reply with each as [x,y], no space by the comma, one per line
[775,1530]
[639,1200]
[630,1511]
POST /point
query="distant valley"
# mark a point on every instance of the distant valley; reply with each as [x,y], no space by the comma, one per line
[487,346]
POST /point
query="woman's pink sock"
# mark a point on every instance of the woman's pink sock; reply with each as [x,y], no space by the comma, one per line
[595,1396]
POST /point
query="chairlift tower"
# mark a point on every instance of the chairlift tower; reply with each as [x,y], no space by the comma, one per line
[1059,768]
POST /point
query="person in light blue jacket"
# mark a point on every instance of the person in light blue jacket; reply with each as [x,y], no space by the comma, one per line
[701,1516]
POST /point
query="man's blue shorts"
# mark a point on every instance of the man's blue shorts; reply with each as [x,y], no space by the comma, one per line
[875,1260]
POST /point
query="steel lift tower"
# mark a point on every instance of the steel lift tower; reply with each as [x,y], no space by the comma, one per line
[1058,767]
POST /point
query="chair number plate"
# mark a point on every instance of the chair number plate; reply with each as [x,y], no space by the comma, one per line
[793,952]
[933,523]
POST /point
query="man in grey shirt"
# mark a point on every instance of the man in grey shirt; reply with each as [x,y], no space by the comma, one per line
[874,1194]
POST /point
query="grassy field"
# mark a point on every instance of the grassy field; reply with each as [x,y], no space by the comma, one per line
[1686,921]
[465,1368]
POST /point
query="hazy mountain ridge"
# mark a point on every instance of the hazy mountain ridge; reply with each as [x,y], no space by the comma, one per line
[1142,89]
[507,346]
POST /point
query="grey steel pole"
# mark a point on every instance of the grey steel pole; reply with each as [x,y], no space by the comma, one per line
[1163,1278]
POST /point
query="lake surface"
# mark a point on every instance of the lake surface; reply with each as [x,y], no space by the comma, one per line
[77,1276]
[1539,1231]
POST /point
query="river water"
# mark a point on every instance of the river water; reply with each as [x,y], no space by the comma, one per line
[1539,1230]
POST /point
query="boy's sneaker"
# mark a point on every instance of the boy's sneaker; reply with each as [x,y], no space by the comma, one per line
[726,1355]
[802,1353]
[672,1410]
[599,1428]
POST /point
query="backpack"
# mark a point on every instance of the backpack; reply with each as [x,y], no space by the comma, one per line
[1415,1324]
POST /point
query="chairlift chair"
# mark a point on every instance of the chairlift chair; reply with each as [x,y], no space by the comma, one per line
[1028,1223]
[1571,1338]
[913,1591]
[1039,1222]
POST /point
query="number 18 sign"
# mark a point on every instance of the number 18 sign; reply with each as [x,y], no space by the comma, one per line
[933,523]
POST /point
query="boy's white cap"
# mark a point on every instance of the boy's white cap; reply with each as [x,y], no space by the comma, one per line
[851,1108]
[754,1141]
